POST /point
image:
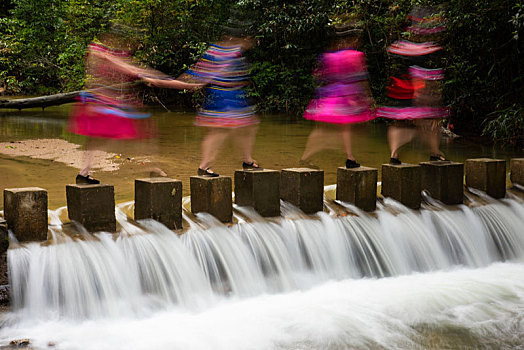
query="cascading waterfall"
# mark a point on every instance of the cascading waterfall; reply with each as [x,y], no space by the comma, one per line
[147,265]
[146,269]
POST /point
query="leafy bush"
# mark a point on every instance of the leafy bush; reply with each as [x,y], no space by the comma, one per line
[506,125]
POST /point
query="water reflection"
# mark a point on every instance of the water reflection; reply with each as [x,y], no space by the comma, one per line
[280,143]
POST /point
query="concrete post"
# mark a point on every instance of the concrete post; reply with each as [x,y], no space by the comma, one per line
[159,199]
[444,181]
[358,186]
[258,189]
[303,188]
[488,175]
[516,166]
[212,195]
[4,244]
[402,183]
[25,210]
[92,206]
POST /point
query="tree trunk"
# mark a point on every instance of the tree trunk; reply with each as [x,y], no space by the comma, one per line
[43,101]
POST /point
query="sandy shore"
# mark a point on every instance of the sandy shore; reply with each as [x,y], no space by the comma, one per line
[61,151]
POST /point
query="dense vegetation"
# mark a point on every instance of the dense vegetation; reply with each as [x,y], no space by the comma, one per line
[42,44]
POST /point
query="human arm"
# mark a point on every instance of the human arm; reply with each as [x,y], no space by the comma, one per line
[170,83]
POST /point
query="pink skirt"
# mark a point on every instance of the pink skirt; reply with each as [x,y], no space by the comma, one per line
[338,110]
[89,119]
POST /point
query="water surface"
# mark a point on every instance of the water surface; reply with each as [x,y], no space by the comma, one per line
[280,144]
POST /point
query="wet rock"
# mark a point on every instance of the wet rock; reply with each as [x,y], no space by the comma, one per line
[18,344]
[5,290]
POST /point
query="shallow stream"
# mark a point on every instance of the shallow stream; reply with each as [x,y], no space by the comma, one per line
[279,144]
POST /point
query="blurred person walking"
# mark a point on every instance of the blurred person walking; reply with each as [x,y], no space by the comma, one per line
[108,109]
[416,90]
[343,97]
[226,111]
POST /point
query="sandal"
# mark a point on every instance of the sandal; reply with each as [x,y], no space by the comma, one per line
[437,158]
[351,164]
[86,180]
[251,166]
[207,172]
[394,161]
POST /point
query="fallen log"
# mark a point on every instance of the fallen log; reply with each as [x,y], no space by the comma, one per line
[42,101]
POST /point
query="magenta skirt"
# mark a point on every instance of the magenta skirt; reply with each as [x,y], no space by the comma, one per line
[95,120]
[338,110]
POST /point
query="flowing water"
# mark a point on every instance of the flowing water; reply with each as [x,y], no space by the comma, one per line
[443,277]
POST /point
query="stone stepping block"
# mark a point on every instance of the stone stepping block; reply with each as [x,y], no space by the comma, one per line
[259,189]
[358,186]
[159,199]
[304,188]
[212,195]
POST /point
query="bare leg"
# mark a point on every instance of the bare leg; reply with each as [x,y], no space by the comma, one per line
[88,156]
[88,162]
[88,159]
[345,133]
[398,137]
[430,132]
[245,138]
[320,138]
[211,145]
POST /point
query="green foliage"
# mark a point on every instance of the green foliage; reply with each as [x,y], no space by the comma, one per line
[484,64]
[42,46]
[506,125]
[279,88]
[290,35]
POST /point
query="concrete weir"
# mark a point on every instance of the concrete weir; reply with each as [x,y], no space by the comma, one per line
[259,189]
[358,186]
[92,206]
[304,188]
[212,195]
[159,199]
[487,175]
[402,183]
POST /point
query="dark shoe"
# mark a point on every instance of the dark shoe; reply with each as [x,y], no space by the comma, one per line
[251,166]
[208,172]
[438,158]
[394,161]
[351,164]
[86,180]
